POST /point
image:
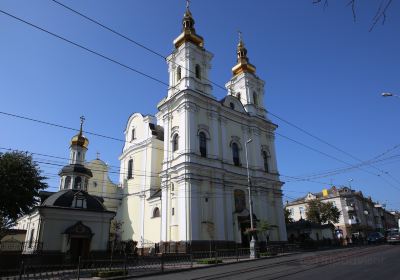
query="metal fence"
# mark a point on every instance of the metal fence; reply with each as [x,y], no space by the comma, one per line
[133,265]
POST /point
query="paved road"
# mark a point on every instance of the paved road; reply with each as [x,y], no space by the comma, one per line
[368,263]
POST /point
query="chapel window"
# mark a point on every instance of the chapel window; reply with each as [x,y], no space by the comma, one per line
[31,238]
[203,144]
[67,182]
[235,154]
[78,183]
[130,169]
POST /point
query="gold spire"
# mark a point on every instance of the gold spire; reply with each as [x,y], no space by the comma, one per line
[79,139]
[188,31]
[243,64]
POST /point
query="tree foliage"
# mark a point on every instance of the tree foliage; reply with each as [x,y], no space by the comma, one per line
[322,212]
[288,218]
[20,183]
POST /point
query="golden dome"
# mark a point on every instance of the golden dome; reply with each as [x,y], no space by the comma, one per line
[80,139]
[188,32]
[243,64]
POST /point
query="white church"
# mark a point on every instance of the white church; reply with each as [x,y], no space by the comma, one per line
[183,175]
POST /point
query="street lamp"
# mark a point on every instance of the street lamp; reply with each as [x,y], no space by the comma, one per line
[253,253]
[388,94]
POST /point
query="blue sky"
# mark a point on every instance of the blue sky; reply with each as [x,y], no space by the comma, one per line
[323,72]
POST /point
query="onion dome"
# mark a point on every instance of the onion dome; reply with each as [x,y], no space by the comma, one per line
[80,139]
[243,64]
[188,32]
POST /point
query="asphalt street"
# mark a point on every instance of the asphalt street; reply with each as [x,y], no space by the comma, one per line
[373,262]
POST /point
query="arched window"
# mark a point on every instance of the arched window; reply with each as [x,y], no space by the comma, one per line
[156,212]
[130,169]
[78,183]
[203,144]
[235,154]
[255,98]
[178,74]
[240,200]
[67,183]
[232,106]
[198,72]
[266,159]
[133,135]
[175,142]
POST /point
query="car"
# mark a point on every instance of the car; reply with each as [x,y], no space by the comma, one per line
[375,238]
[393,237]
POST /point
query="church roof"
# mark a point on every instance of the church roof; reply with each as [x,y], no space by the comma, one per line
[75,168]
[65,198]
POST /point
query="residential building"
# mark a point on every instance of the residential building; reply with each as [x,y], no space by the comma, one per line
[358,214]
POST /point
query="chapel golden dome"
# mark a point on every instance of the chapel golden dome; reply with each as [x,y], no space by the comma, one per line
[188,32]
[80,139]
[243,64]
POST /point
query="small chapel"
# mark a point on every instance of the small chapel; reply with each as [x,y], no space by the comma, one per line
[184,178]
[75,220]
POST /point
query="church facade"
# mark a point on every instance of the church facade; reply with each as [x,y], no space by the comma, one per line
[183,171]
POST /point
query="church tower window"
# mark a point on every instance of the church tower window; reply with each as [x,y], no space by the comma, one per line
[203,144]
[255,98]
[178,74]
[198,72]
[130,169]
[266,158]
[78,183]
[175,143]
[235,154]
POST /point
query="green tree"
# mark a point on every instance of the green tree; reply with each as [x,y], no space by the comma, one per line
[288,218]
[20,183]
[322,212]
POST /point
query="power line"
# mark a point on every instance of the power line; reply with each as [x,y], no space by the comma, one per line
[221,87]
[143,74]
[86,49]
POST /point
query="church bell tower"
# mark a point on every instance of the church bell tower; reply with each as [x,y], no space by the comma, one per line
[189,63]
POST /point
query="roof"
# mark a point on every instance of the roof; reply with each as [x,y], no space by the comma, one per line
[65,199]
[75,168]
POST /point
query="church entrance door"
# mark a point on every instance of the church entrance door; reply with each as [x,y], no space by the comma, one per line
[79,248]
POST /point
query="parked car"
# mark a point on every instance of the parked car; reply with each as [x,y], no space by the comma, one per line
[393,237]
[375,238]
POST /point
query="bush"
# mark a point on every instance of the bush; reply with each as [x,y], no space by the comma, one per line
[268,254]
[209,261]
[109,273]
